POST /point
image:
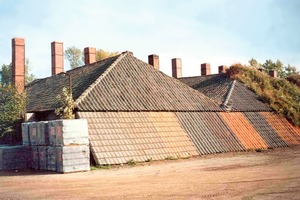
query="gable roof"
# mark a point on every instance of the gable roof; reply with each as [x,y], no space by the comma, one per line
[231,94]
[121,83]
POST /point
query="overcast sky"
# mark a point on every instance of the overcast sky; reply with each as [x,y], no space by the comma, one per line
[197,31]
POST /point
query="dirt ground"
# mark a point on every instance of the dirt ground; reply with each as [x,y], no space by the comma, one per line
[271,174]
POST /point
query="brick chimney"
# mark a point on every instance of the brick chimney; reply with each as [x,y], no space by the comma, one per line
[222,69]
[18,64]
[176,68]
[57,55]
[89,55]
[273,73]
[205,69]
[154,61]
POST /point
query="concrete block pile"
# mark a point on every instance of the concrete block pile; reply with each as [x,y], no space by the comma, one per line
[13,157]
[59,145]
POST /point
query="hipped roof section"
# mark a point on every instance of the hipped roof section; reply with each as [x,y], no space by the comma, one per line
[232,95]
[120,83]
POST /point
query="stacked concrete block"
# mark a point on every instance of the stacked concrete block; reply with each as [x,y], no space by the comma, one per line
[43,134]
[34,153]
[13,157]
[25,134]
[73,158]
[52,158]
[68,132]
[42,153]
[59,145]
[69,146]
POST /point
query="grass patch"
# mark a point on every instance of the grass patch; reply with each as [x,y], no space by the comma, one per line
[171,158]
[187,157]
[131,162]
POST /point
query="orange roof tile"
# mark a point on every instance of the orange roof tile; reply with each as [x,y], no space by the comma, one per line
[244,130]
[266,131]
[286,131]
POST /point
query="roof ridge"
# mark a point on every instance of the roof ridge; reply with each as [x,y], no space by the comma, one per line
[224,105]
[90,88]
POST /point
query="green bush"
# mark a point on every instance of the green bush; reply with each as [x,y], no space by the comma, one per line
[12,110]
[66,102]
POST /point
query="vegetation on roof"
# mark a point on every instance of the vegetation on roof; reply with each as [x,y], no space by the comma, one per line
[281,69]
[282,96]
[295,79]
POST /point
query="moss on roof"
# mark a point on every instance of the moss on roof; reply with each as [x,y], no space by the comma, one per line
[282,96]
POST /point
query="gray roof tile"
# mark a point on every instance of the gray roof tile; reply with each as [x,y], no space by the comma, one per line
[232,95]
[121,83]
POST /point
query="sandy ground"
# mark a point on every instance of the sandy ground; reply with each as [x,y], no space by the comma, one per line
[272,174]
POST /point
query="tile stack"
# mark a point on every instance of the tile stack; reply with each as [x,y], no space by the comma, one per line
[60,145]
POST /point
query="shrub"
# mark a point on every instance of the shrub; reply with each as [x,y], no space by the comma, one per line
[66,102]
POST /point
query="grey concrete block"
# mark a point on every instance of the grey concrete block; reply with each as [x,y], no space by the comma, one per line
[25,134]
[13,157]
[42,157]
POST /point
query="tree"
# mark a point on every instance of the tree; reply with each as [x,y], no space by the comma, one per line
[12,110]
[290,70]
[29,77]
[101,54]
[7,73]
[277,66]
[74,56]
[254,63]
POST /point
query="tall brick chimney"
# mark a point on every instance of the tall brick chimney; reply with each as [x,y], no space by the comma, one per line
[176,68]
[205,69]
[154,61]
[273,73]
[222,69]
[57,55]
[18,64]
[89,55]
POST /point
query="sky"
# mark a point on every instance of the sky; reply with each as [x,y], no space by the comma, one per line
[219,32]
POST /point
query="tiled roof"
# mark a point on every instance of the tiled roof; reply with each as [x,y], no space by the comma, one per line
[118,137]
[265,130]
[285,130]
[232,95]
[42,93]
[209,133]
[121,83]
[243,129]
